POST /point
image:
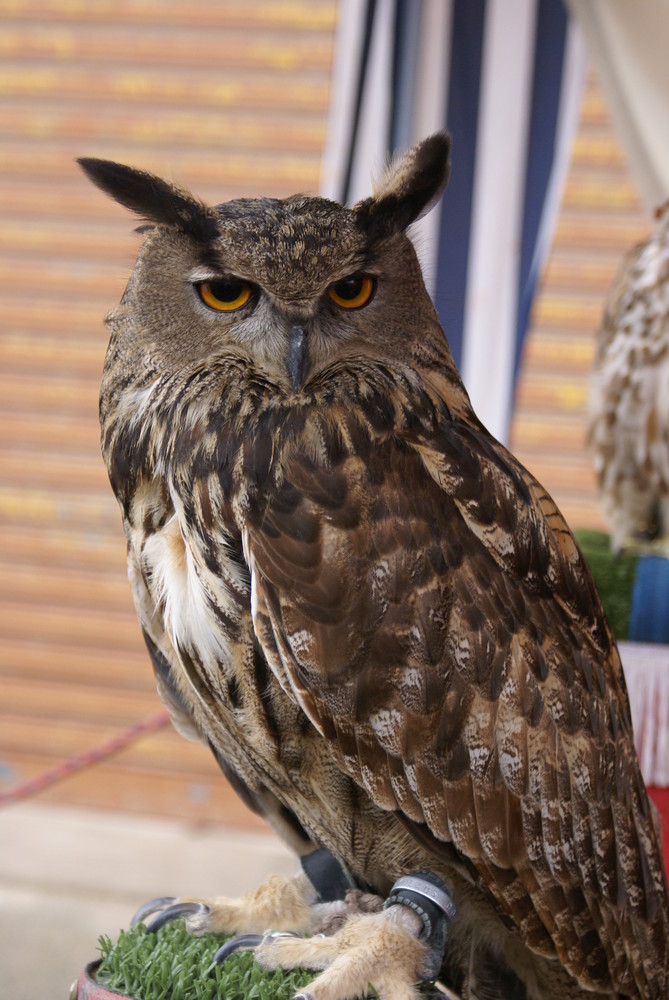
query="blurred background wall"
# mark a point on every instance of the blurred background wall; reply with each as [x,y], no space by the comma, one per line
[231,99]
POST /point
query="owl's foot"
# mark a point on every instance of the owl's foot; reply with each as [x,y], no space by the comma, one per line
[286,903]
[392,950]
[307,903]
[356,944]
[382,950]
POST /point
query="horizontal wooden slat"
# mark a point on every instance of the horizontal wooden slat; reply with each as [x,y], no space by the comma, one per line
[83,703]
[600,150]
[40,315]
[591,191]
[546,466]
[29,351]
[80,590]
[35,744]
[63,734]
[79,207]
[559,353]
[50,659]
[62,279]
[215,174]
[303,16]
[204,796]
[50,470]
[560,393]
[253,139]
[593,109]
[543,431]
[63,394]
[192,46]
[599,233]
[570,270]
[76,247]
[90,514]
[58,623]
[50,545]
[155,87]
[572,312]
[29,433]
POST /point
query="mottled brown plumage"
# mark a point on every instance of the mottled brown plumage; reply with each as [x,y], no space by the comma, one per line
[629,395]
[374,615]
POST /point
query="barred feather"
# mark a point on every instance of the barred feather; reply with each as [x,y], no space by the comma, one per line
[373,614]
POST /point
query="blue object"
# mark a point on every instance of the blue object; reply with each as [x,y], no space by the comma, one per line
[649,614]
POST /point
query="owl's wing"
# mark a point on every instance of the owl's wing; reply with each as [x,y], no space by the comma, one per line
[421,597]
[167,665]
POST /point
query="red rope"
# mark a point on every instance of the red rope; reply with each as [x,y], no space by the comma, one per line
[79,762]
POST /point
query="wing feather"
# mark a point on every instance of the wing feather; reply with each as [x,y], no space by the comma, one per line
[423,606]
[437,622]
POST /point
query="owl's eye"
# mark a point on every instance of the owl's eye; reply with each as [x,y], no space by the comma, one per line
[224,294]
[353,292]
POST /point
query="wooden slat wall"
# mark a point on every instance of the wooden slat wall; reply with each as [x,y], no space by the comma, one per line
[600,220]
[229,98]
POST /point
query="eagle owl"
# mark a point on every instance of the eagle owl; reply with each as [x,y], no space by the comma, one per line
[629,395]
[368,609]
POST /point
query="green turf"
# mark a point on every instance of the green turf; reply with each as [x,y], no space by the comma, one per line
[614,577]
[173,965]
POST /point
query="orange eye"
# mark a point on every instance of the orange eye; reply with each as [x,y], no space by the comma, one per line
[353,292]
[224,294]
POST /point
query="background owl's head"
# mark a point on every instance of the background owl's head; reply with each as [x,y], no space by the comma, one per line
[291,284]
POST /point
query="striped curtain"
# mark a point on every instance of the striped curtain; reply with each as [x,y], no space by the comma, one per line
[505,77]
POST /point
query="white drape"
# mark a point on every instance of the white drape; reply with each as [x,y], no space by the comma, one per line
[628,41]
[481,306]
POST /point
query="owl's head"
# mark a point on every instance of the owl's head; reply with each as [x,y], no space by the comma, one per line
[290,284]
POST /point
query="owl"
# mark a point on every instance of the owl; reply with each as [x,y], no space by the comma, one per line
[629,396]
[372,614]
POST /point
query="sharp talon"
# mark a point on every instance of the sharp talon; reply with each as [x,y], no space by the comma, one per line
[174,912]
[152,906]
[241,943]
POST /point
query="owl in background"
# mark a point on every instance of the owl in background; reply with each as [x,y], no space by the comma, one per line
[629,397]
[369,611]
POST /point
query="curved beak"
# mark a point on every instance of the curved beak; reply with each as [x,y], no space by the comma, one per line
[296,361]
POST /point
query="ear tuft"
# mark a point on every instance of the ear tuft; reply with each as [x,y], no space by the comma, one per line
[153,198]
[409,188]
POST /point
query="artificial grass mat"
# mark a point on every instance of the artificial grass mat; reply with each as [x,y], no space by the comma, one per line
[171,964]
